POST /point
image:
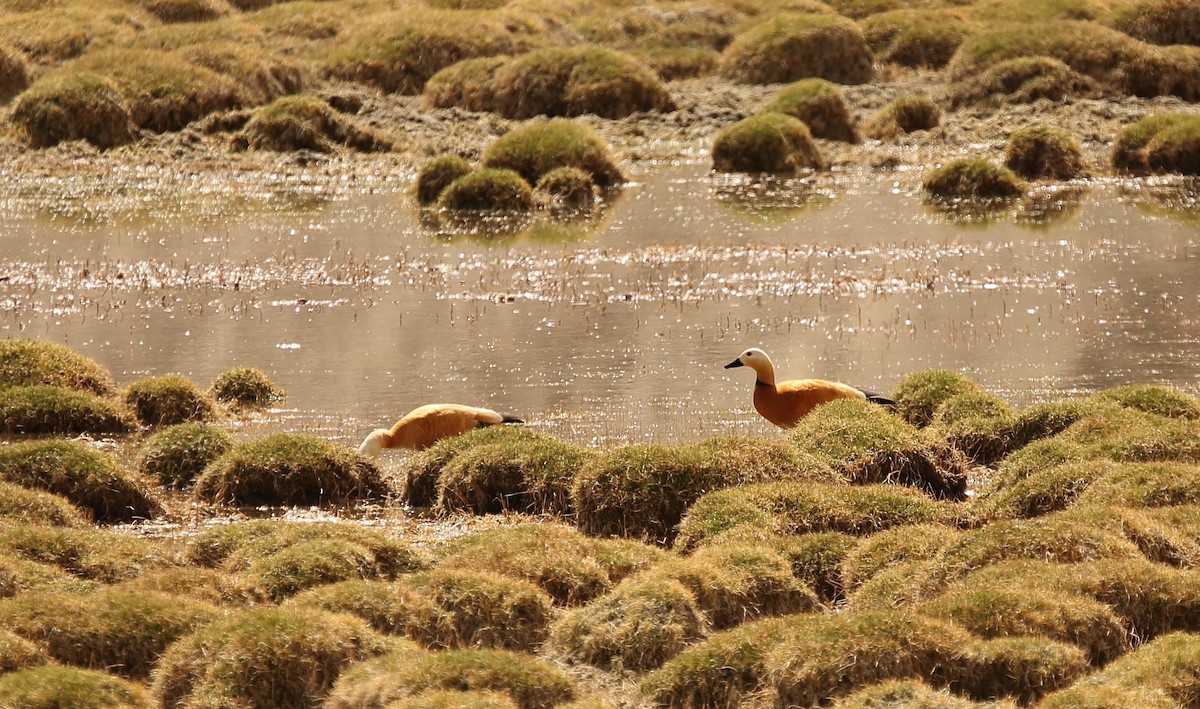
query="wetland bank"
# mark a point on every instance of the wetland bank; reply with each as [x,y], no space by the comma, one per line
[217,277]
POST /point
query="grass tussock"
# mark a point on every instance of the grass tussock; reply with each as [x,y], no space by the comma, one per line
[246,388]
[791,46]
[391,607]
[536,149]
[91,480]
[891,547]
[767,142]
[19,504]
[571,567]
[1022,80]
[56,686]
[867,444]
[639,625]
[787,508]
[42,409]
[972,178]
[567,188]
[455,699]
[437,174]
[169,400]
[289,469]
[1023,668]
[901,115]
[1163,22]
[918,395]
[1039,492]
[917,38]
[117,630]
[72,106]
[34,362]
[91,555]
[175,11]
[175,456]
[984,427]
[902,693]
[266,656]
[484,609]
[491,189]
[261,75]
[1154,399]
[422,471]
[17,653]
[50,33]
[820,105]
[14,74]
[1161,673]
[642,491]
[306,123]
[816,559]
[1042,152]
[405,675]
[216,588]
[1166,142]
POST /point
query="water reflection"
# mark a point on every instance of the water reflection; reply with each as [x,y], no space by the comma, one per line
[613,328]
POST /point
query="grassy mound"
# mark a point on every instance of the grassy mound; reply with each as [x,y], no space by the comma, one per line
[1161,673]
[44,409]
[557,81]
[88,478]
[210,586]
[168,400]
[867,444]
[490,189]
[639,625]
[536,149]
[1025,668]
[1042,152]
[437,174]
[92,555]
[33,362]
[1154,399]
[120,631]
[1022,80]
[54,687]
[261,73]
[915,38]
[1114,60]
[821,106]
[984,427]
[455,699]
[816,559]
[17,653]
[390,607]
[277,657]
[789,47]
[787,508]
[246,387]
[890,547]
[407,674]
[569,566]
[172,11]
[1041,492]
[642,491]
[14,77]
[311,563]
[483,609]
[1162,22]
[399,52]
[903,693]
[306,123]
[289,469]
[767,142]
[422,471]
[972,178]
[75,105]
[901,115]
[175,456]
[567,187]
[918,395]
[26,506]
[1166,142]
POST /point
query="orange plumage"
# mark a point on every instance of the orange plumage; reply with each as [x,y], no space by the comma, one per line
[426,425]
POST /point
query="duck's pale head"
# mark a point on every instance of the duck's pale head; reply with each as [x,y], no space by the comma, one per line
[752,357]
[374,443]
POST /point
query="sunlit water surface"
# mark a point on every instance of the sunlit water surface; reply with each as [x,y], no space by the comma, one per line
[613,329]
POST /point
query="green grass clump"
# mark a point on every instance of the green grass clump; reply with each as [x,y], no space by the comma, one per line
[43,409]
[408,673]
[455,699]
[437,174]
[639,625]
[390,607]
[217,588]
[484,609]
[867,444]
[14,76]
[88,554]
[794,507]
[19,574]
[918,38]
[488,189]
[906,693]
[556,81]
[1040,492]
[73,105]
[289,469]
[56,687]
[22,505]
[536,149]
[17,653]
[117,630]
[642,491]
[422,471]
[92,480]
[175,456]
[820,104]
[263,657]
[1024,668]
[901,115]
[972,178]
[1144,485]
[567,187]
[766,142]
[168,400]
[34,362]
[399,52]
[569,566]
[1161,673]
[890,547]
[527,472]
[261,73]
[1164,22]
[1154,399]
[246,387]
[918,395]
[984,427]
[791,46]
[1042,152]
[306,123]
[172,11]
[311,563]
[1022,80]
[816,559]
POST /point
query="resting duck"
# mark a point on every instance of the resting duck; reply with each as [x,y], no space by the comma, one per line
[426,425]
[785,403]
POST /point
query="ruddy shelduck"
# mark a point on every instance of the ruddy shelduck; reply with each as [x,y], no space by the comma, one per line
[785,403]
[426,425]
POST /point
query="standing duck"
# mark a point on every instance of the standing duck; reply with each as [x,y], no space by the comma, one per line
[785,403]
[426,425]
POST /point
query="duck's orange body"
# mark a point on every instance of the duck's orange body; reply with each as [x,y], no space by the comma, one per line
[785,403]
[426,425]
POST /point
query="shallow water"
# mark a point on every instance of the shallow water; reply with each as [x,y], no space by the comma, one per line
[615,328]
